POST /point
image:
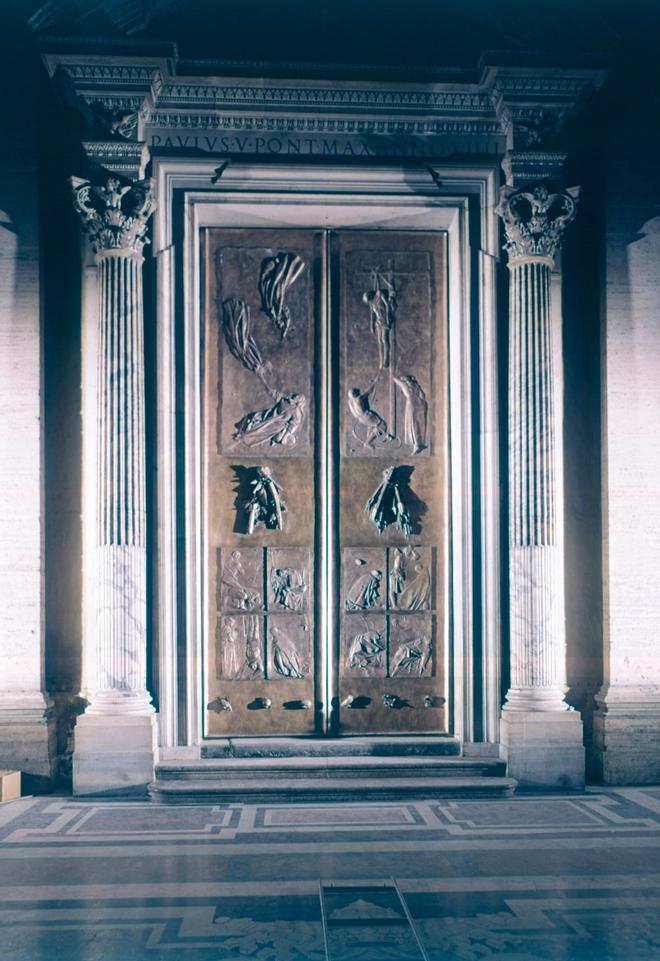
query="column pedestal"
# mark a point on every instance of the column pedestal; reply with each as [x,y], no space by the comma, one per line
[626,738]
[543,749]
[114,754]
[28,739]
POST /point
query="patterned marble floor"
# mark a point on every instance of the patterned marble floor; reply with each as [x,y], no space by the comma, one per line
[533,878]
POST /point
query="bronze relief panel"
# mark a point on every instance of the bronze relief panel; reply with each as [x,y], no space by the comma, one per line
[265,340]
[260,480]
[387,372]
[365,311]
[392,413]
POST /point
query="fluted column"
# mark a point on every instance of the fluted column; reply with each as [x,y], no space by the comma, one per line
[534,223]
[115,215]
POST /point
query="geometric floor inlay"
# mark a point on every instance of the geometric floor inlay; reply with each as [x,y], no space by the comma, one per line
[571,877]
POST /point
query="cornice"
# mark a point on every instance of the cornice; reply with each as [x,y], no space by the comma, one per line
[343,125]
[511,107]
[320,96]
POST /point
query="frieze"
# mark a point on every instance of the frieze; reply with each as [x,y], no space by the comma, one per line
[340,146]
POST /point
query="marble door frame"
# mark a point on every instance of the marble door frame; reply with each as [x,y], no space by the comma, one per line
[195,194]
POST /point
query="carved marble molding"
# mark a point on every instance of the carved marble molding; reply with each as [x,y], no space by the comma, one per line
[533,103]
[535,221]
[115,214]
[505,107]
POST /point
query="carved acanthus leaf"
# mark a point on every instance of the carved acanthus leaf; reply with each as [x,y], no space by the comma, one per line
[535,220]
[115,213]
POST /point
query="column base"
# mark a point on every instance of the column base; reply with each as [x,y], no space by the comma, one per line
[28,740]
[114,754]
[543,749]
[625,739]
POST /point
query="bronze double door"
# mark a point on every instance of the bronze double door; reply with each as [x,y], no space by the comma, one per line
[325,481]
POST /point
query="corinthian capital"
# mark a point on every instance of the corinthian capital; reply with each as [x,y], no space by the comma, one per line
[535,220]
[115,213]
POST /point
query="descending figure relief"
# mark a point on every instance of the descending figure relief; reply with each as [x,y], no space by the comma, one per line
[286,658]
[411,657]
[241,343]
[381,300]
[274,425]
[277,275]
[415,413]
[265,504]
[279,423]
[289,587]
[387,505]
[364,592]
[359,404]
[409,581]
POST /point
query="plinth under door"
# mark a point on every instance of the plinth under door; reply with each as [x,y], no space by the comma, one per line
[325,471]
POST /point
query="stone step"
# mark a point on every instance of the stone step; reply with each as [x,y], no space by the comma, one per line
[315,790]
[289,769]
[381,746]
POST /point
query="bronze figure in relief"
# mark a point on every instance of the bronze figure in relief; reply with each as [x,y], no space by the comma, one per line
[288,587]
[375,427]
[411,657]
[366,651]
[277,275]
[236,590]
[287,656]
[265,504]
[279,423]
[409,580]
[241,655]
[415,414]
[241,343]
[381,301]
[365,591]
[389,502]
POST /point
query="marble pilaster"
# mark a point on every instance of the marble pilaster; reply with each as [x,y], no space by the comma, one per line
[115,738]
[541,735]
[627,718]
[27,724]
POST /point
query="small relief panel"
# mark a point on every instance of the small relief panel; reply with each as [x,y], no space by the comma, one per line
[289,647]
[364,646]
[241,579]
[410,578]
[241,647]
[264,304]
[364,579]
[388,352]
[411,645]
[288,579]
